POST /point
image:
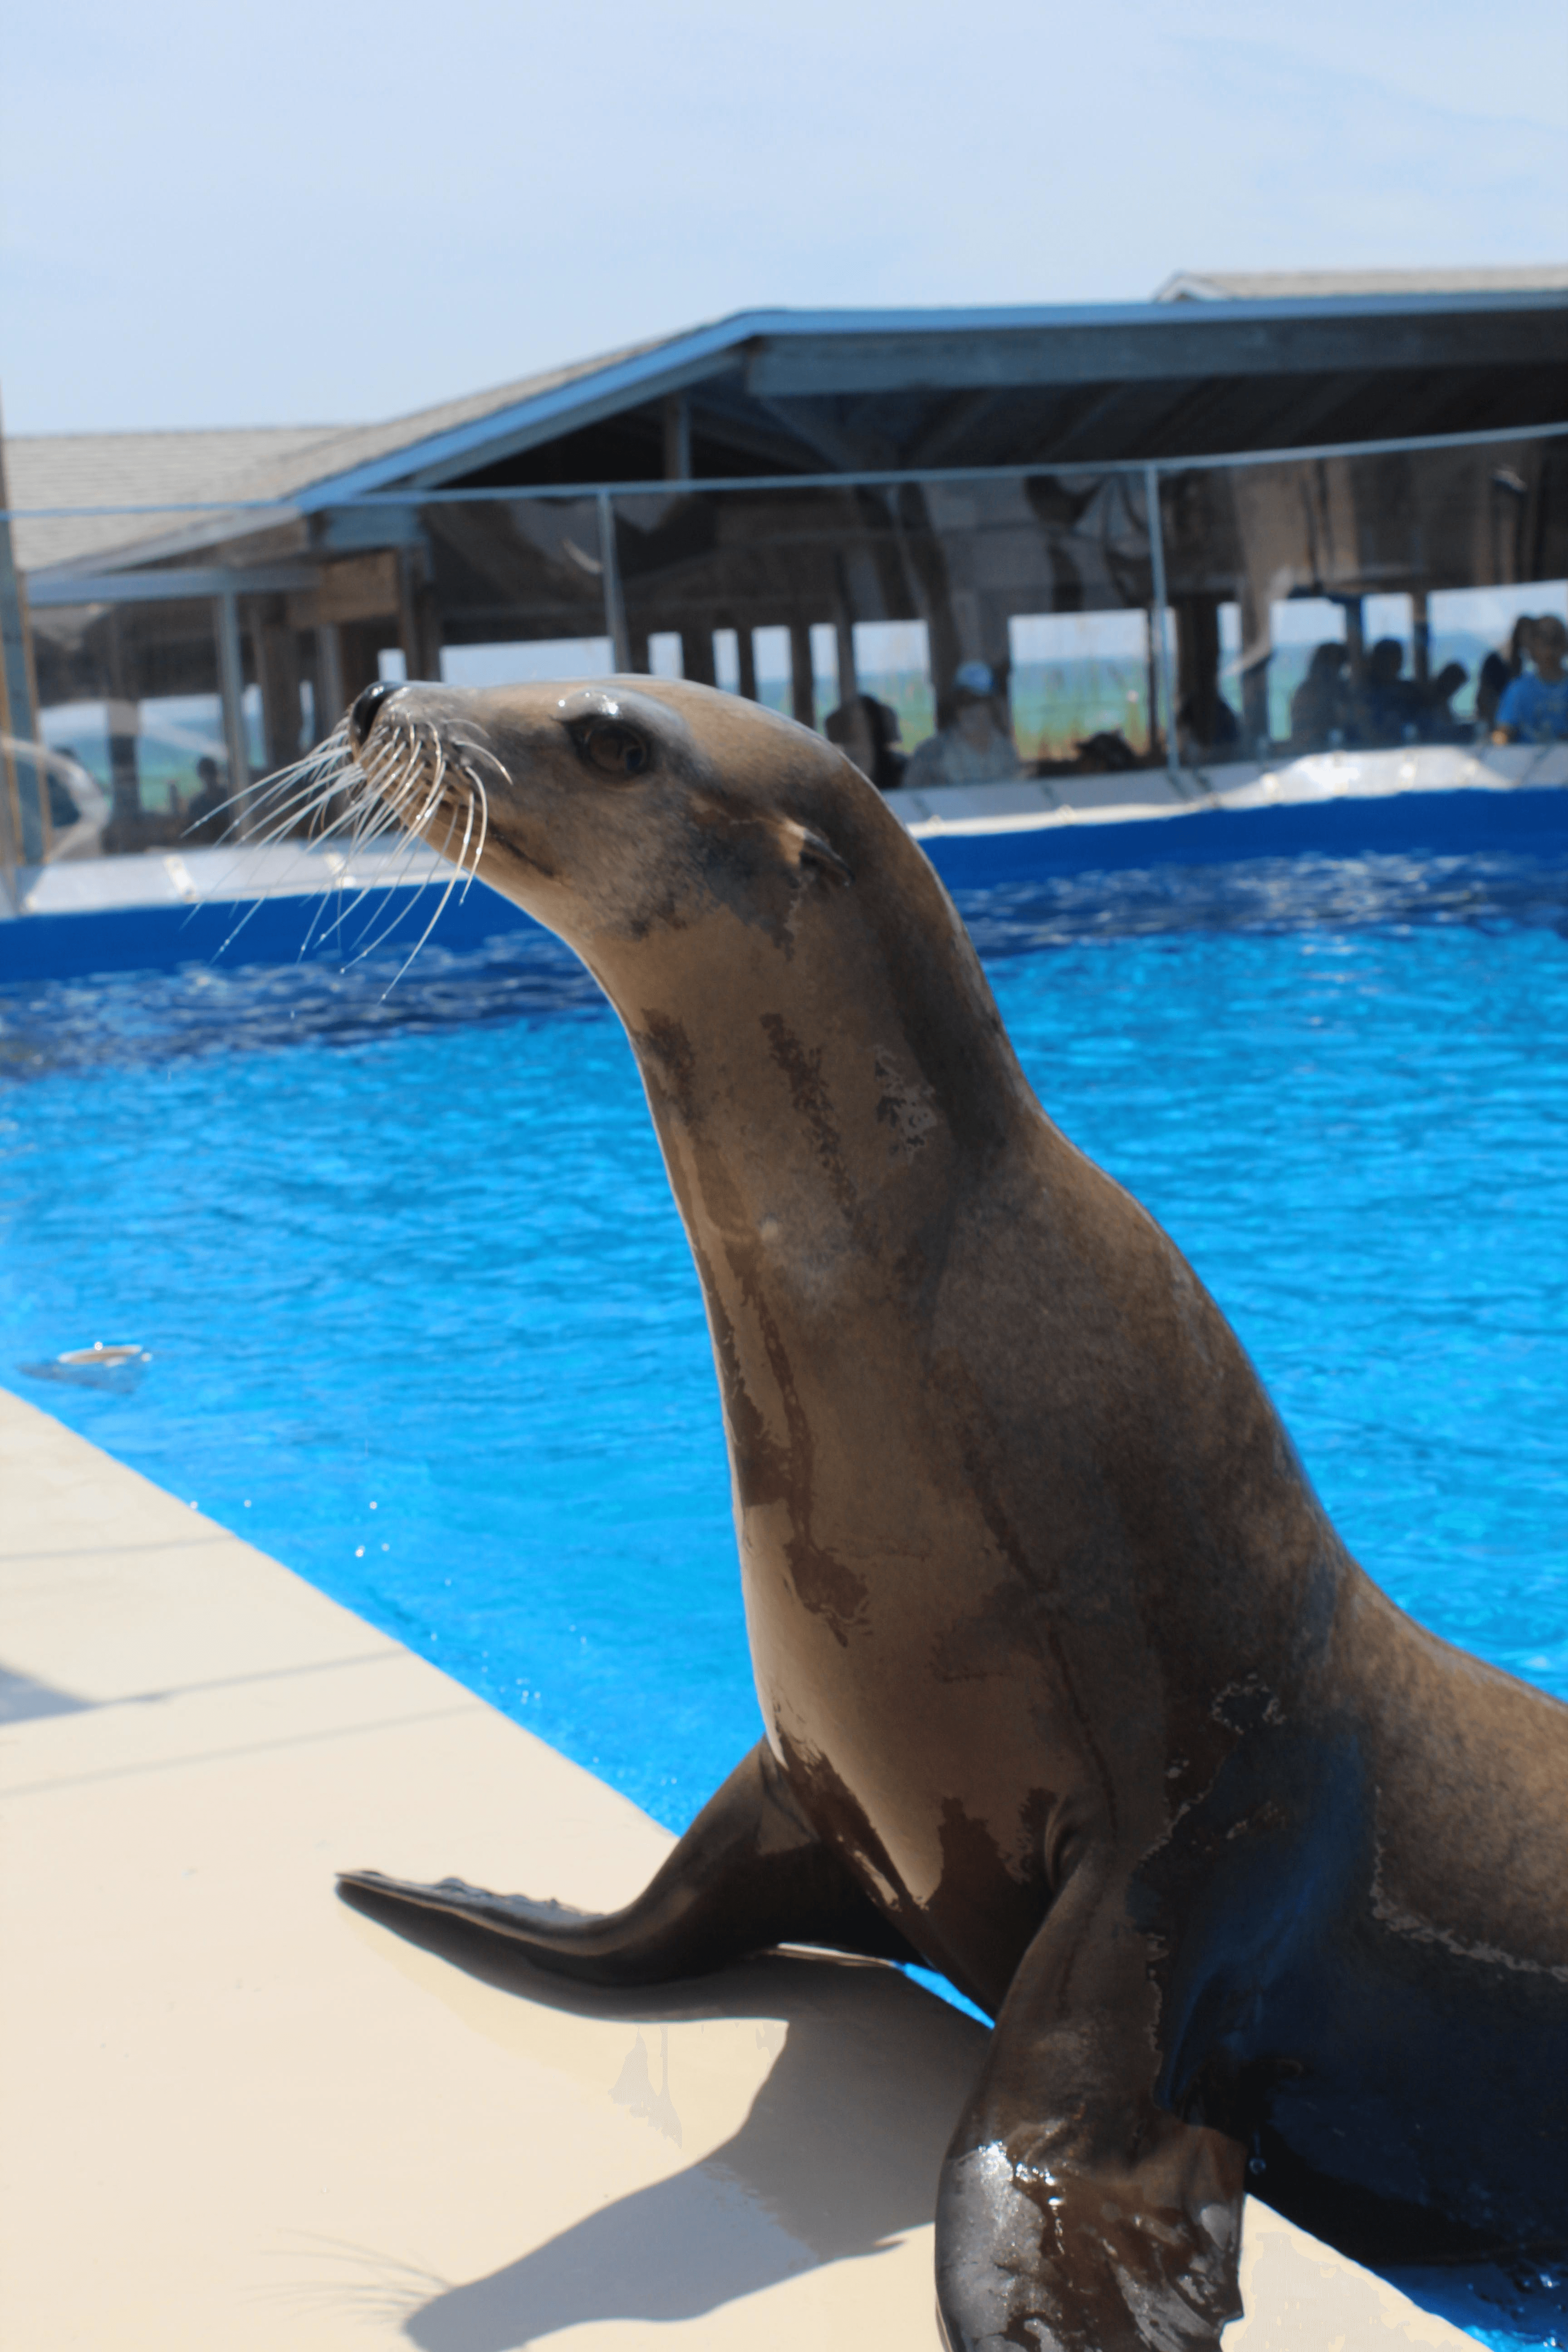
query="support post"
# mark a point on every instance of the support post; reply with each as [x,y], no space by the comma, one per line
[278,667]
[802,684]
[231,687]
[610,580]
[25,818]
[331,700]
[697,656]
[123,716]
[849,683]
[748,652]
[1421,635]
[1197,666]
[1165,717]
[418,620]
[676,436]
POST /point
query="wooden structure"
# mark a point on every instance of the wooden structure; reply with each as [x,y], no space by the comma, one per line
[792,470]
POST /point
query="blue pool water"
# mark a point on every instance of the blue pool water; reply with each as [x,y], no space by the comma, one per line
[423,1323]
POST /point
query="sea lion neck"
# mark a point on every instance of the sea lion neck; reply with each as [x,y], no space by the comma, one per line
[838,1075]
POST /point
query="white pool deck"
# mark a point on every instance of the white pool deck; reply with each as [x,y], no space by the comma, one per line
[241,872]
[236,2114]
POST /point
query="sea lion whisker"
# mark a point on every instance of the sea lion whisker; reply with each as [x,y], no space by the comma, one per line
[456,766]
[473,747]
[258,794]
[252,909]
[372,939]
[324,759]
[461,860]
[375,837]
[432,758]
[417,819]
[434,919]
[284,820]
[476,785]
[385,775]
[374,814]
[330,903]
[242,826]
[388,747]
[397,778]
[419,827]
[287,818]
[444,847]
[456,877]
[412,833]
[387,883]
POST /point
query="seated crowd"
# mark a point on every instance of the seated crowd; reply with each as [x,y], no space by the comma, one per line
[1522,696]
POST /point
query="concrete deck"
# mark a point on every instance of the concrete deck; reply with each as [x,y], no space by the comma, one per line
[236,2114]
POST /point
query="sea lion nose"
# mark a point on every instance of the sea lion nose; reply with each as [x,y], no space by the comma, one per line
[361,718]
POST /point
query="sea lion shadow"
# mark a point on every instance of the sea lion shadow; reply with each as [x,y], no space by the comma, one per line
[837,2157]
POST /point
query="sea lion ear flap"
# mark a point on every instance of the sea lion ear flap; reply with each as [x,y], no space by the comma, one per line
[803,847]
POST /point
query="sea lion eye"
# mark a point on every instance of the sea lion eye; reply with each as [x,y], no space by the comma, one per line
[612,750]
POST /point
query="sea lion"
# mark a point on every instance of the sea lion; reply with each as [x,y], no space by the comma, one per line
[1068,1685]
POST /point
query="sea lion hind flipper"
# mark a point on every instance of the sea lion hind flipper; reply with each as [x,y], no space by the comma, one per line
[749,1872]
[1074,2213]
[523,1916]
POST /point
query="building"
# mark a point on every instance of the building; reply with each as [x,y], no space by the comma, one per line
[976,478]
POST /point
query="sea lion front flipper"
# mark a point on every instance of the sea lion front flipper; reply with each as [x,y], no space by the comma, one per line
[749,1872]
[1075,2214]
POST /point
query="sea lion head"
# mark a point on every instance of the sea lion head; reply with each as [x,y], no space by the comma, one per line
[615,809]
[734,884]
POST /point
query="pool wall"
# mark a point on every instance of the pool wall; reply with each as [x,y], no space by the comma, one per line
[1526,821]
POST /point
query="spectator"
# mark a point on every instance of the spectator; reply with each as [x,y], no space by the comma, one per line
[972,747]
[1390,704]
[1534,708]
[1318,706]
[204,814]
[1197,738]
[867,732]
[1438,724]
[1499,670]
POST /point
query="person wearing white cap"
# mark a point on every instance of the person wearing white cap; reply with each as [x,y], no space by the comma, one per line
[971,749]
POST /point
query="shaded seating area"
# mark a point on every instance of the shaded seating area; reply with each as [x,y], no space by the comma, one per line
[1109,513]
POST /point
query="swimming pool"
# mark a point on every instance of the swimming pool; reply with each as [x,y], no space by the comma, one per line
[423,1323]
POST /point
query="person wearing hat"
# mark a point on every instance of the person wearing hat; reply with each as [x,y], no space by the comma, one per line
[970,749]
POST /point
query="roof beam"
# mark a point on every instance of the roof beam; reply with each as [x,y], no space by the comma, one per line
[172,586]
[1173,341]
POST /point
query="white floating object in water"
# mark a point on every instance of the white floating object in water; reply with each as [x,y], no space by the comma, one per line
[118,1366]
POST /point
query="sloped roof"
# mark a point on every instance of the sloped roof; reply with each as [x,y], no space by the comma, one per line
[809,375]
[1316,285]
[226,468]
[144,470]
[361,447]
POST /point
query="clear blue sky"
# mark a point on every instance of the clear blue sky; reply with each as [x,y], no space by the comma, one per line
[335,210]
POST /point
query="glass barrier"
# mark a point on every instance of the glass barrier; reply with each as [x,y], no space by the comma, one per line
[941,631]
[529,572]
[1359,601]
[910,622]
[129,706]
